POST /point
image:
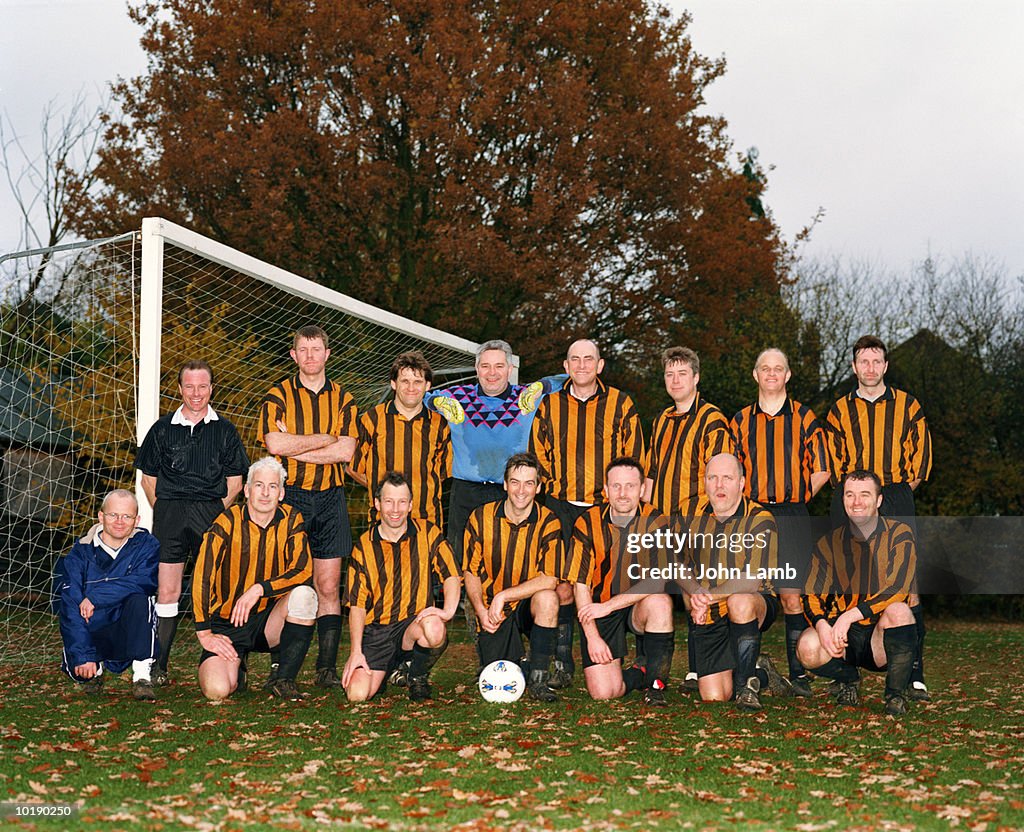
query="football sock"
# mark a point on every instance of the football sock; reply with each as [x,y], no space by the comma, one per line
[660,647]
[328,630]
[424,658]
[746,641]
[295,641]
[166,627]
[900,645]
[566,629]
[917,673]
[691,647]
[633,677]
[839,670]
[542,646]
[795,625]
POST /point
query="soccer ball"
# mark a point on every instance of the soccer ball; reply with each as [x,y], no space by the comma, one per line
[502,681]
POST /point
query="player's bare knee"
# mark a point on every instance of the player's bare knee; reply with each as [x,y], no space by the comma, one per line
[544,607]
[808,649]
[742,607]
[791,603]
[216,688]
[897,615]
[656,612]
[358,690]
[434,632]
[302,604]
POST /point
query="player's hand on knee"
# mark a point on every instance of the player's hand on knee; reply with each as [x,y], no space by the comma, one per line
[496,612]
[218,645]
[600,652]
[429,611]
[243,606]
[356,661]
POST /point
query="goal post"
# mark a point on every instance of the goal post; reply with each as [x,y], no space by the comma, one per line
[91,338]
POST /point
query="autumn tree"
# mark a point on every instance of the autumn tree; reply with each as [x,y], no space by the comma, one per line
[531,170]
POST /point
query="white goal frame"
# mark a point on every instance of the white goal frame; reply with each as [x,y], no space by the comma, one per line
[155,233]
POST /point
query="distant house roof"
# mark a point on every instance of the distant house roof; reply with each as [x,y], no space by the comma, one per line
[27,416]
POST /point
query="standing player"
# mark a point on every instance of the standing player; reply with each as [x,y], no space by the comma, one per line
[192,465]
[684,437]
[390,596]
[311,422]
[861,576]
[251,589]
[733,539]
[404,436]
[102,594]
[784,453]
[513,557]
[611,599]
[578,431]
[880,429]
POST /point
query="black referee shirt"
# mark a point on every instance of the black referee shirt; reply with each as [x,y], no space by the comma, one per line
[192,463]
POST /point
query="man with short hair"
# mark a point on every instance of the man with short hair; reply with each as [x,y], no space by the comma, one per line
[683,438]
[732,547]
[881,429]
[192,463]
[311,423]
[861,575]
[513,557]
[614,594]
[403,435]
[102,594]
[784,453]
[390,596]
[251,590]
[578,431]
[490,421]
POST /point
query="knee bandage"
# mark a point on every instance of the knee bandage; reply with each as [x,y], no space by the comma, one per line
[302,603]
[166,610]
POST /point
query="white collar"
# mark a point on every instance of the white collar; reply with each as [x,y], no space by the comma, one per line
[98,542]
[179,417]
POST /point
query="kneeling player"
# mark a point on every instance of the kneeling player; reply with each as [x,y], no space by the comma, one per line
[861,575]
[610,591]
[732,538]
[389,595]
[251,588]
[513,552]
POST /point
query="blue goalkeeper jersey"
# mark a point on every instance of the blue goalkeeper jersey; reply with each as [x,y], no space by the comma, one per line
[487,430]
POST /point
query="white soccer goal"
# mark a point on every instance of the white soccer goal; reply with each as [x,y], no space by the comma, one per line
[91,339]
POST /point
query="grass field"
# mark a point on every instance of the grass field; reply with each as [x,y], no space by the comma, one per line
[458,763]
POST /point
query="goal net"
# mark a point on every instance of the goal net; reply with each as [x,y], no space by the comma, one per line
[91,339]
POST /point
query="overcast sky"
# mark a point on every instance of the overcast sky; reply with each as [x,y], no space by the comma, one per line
[903,120]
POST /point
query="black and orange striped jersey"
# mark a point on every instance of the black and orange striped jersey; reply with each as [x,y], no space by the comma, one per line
[867,573]
[419,448]
[888,436]
[304,413]
[575,440]
[780,452]
[504,554]
[681,445]
[741,545]
[238,553]
[393,581]
[599,553]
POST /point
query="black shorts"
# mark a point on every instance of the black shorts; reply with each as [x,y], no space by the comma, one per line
[179,525]
[566,512]
[793,534]
[382,642]
[249,638]
[465,496]
[507,641]
[858,647]
[325,517]
[612,628]
[712,645]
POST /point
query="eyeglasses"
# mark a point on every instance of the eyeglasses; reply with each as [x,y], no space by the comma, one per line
[119,516]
